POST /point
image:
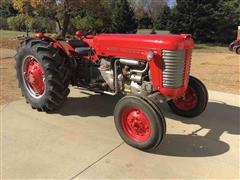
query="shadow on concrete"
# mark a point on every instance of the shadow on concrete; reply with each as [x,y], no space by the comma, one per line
[190,146]
[217,119]
[93,105]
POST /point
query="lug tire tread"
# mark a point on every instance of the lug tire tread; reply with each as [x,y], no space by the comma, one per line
[56,69]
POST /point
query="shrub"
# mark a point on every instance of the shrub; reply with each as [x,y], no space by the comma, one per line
[3,23]
[43,24]
[89,22]
[17,23]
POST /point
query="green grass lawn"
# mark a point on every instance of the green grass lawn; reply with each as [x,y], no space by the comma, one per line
[218,48]
[11,34]
[148,31]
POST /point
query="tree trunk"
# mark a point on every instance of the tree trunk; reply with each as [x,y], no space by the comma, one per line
[65,25]
[59,26]
[66,19]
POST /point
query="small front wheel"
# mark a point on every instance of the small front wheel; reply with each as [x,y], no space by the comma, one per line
[237,49]
[193,102]
[139,122]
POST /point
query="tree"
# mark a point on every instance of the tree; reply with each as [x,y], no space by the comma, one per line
[152,8]
[208,21]
[62,11]
[123,20]
[145,22]
[163,18]
[228,18]
[65,12]
[95,16]
[6,9]
[23,6]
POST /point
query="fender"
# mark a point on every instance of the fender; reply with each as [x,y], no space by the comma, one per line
[54,43]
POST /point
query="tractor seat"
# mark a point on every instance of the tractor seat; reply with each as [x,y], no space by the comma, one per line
[84,51]
[75,43]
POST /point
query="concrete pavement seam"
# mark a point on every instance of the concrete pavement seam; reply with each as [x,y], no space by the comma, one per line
[8,57]
[96,161]
[3,107]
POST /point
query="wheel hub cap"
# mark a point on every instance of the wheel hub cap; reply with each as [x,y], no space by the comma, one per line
[34,76]
[188,101]
[136,124]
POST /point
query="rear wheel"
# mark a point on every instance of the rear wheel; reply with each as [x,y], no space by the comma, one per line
[230,47]
[193,102]
[238,49]
[43,74]
[139,122]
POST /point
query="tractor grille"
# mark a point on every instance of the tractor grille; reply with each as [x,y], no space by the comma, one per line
[173,65]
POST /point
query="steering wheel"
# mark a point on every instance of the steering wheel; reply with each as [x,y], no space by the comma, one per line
[88,32]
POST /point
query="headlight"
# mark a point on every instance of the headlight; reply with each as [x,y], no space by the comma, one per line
[150,55]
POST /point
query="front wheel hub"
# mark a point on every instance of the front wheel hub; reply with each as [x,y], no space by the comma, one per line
[33,77]
[188,101]
[135,124]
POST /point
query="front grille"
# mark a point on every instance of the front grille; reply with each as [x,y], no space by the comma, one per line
[173,65]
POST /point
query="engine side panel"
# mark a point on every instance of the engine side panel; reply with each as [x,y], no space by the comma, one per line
[137,47]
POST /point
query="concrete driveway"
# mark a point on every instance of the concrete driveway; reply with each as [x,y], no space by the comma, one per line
[80,141]
[7,53]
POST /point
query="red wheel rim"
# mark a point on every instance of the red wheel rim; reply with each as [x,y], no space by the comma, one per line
[188,101]
[135,124]
[33,76]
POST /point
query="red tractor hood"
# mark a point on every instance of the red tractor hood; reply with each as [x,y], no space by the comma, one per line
[137,46]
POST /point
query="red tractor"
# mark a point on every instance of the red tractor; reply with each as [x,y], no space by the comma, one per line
[235,45]
[148,69]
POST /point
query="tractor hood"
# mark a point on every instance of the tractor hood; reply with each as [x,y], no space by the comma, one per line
[137,46]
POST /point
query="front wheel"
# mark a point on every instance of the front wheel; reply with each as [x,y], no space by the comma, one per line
[237,49]
[139,122]
[193,102]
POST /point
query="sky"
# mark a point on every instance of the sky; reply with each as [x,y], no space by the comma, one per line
[171,2]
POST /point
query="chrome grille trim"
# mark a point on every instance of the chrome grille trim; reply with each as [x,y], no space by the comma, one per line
[173,65]
[190,63]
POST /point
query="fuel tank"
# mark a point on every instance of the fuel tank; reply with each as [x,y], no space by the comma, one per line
[137,46]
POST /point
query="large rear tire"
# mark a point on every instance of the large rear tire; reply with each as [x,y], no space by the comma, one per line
[43,73]
[230,47]
[194,101]
[140,122]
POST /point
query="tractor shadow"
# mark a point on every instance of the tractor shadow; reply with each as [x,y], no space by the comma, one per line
[217,119]
[91,105]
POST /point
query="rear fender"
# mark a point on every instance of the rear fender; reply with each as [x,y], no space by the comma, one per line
[54,43]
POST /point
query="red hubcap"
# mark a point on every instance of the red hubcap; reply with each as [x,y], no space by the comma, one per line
[136,124]
[34,76]
[188,101]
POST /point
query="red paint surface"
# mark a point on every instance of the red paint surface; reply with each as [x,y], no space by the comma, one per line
[34,76]
[135,124]
[39,35]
